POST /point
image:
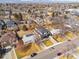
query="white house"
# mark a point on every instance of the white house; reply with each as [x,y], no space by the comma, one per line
[29,38]
[55,31]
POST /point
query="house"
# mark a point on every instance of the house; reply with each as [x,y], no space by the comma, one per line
[55,31]
[44,33]
[11,25]
[73,11]
[29,38]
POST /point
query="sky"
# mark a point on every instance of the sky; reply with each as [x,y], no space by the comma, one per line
[37,1]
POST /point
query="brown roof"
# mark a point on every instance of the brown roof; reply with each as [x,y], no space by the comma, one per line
[8,37]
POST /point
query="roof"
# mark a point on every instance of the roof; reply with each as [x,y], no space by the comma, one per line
[29,38]
[41,30]
[21,33]
[10,23]
[44,33]
[8,37]
[29,35]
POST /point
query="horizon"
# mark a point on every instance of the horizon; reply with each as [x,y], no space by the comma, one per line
[39,1]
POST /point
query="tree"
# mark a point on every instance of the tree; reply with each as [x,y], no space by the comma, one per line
[53,14]
[16,16]
[29,11]
[24,28]
[10,13]
[20,16]
[65,17]
[2,12]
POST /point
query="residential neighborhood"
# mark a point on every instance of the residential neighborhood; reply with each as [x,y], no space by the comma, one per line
[39,31]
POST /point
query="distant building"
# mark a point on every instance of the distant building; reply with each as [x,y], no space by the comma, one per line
[73,11]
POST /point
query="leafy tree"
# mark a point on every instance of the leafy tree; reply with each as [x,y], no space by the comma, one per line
[65,17]
[20,16]
[10,13]
[16,16]
[24,28]
[2,12]
[53,14]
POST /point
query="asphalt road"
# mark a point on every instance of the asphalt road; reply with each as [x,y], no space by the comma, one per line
[58,50]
